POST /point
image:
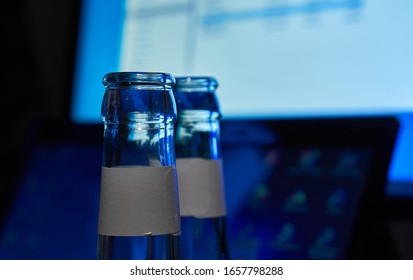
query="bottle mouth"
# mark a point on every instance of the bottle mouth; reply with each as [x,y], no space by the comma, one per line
[196,83]
[120,79]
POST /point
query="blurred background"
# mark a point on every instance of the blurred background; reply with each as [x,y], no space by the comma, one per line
[37,59]
[282,66]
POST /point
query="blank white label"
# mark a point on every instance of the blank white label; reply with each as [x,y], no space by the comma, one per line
[201,187]
[136,201]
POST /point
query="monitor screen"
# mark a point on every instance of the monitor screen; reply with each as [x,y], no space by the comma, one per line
[272,59]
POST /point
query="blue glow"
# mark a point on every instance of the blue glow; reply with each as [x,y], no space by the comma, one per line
[282,11]
[401,168]
[98,47]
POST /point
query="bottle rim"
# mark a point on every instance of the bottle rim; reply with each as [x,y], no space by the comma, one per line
[196,83]
[139,78]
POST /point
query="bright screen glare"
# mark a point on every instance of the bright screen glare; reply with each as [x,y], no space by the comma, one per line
[276,59]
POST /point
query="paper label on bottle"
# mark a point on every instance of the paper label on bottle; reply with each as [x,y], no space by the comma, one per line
[136,201]
[201,187]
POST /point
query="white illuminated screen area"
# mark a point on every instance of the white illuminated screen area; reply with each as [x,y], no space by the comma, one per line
[280,58]
[272,58]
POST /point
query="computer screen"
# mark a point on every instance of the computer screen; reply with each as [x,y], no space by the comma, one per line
[272,59]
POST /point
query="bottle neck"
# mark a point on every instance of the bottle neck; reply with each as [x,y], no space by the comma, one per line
[133,106]
[138,144]
[197,134]
[187,116]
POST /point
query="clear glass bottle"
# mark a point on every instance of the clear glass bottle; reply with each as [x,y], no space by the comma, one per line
[139,206]
[199,166]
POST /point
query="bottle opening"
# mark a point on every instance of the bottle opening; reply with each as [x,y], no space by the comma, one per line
[120,79]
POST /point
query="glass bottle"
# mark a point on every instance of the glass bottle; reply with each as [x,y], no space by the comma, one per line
[139,206]
[199,166]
